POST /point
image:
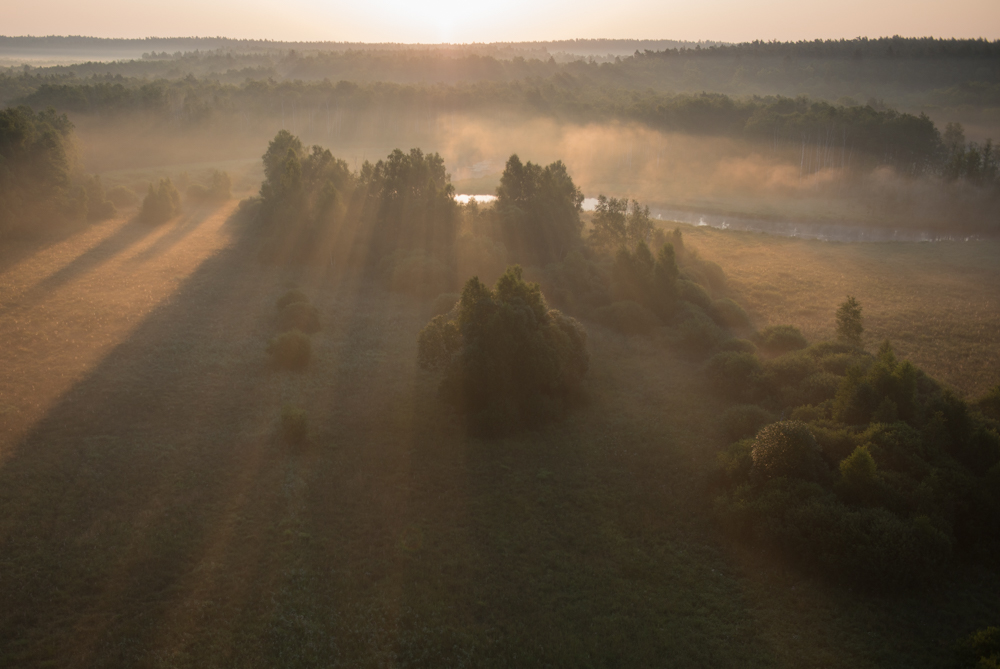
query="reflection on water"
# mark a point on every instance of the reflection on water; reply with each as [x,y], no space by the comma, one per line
[589,203]
[830,232]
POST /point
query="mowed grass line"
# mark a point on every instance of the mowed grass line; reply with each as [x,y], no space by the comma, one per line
[939,303]
[153,517]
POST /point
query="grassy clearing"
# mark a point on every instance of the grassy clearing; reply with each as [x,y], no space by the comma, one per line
[151,513]
[938,302]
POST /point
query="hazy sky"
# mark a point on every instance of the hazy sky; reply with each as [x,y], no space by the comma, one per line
[510,20]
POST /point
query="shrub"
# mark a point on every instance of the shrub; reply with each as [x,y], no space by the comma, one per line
[292,296]
[858,471]
[509,360]
[627,317]
[979,650]
[121,196]
[299,316]
[728,313]
[290,349]
[161,203]
[989,404]
[787,449]
[777,339]
[695,331]
[745,420]
[294,424]
[689,291]
[733,374]
[808,413]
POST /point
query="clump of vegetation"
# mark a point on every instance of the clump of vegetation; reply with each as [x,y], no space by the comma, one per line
[219,188]
[745,420]
[294,424]
[786,449]
[509,361]
[881,476]
[619,224]
[290,297]
[299,316]
[850,325]
[161,203]
[39,185]
[980,650]
[290,350]
[777,339]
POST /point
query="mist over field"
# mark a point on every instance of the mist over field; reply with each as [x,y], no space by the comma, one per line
[566,353]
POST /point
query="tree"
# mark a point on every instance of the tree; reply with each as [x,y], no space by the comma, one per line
[849,321]
[539,210]
[620,224]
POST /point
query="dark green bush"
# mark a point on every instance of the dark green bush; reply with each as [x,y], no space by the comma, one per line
[787,449]
[292,296]
[161,203]
[808,413]
[627,317]
[733,373]
[299,316]
[689,291]
[745,420]
[121,196]
[727,313]
[695,331]
[294,424]
[778,339]
[291,349]
[979,650]
[989,404]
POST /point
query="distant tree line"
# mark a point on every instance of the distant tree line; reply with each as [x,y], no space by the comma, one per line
[829,135]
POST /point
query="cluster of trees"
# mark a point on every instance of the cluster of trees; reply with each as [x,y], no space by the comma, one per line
[972,162]
[509,361]
[856,465]
[39,184]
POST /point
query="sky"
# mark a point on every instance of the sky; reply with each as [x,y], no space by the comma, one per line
[437,21]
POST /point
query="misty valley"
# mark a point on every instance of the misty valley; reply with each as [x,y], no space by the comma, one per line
[581,353]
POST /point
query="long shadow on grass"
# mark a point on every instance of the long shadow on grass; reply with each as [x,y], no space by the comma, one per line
[138,508]
[129,234]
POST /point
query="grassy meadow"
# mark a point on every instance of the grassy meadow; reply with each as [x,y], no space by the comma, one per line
[151,515]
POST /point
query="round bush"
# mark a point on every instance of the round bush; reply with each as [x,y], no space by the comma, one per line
[689,291]
[628,317]
[787,449]
[733,373]
[299,316]
[777,339]
[291,297]
[290,349]
[728,313]
[745,420]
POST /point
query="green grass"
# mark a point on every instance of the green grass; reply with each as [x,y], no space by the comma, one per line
[151,515]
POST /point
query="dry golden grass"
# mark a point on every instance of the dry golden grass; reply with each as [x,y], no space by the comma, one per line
[939,303]
[151,514]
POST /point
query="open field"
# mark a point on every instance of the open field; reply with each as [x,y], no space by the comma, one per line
[151,516]
[939,303]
